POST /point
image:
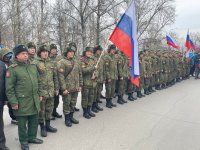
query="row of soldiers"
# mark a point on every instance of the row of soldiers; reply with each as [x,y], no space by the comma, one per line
[69,74]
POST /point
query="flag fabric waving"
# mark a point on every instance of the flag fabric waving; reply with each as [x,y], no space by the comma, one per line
[193,46]
[171,42]
[124,36]
[187,43]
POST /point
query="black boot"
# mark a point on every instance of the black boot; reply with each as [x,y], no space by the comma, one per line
[43,131]
[85,113]
[74,121]
[119,100]
[67,120]
[94,109]
[24,147]
[99,101]
[139,94]
[146,92]
[113,105]
[89,111]
[49,128]
[152,89]
[97,107]
[108,104]
[130,97]
[56,114]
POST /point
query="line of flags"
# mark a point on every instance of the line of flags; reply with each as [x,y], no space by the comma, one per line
[124,36]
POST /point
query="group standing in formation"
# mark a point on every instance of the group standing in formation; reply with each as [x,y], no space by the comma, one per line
[32,82]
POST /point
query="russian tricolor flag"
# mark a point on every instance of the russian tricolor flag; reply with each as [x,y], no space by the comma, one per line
[171,42]
[193,46]
[187,43]
[124,37]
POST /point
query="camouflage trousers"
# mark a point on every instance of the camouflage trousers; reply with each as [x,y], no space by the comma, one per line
[141,84]
[110,89]
[69,102]
[120,87]
[130,86]
[97,91]
[87,96]
[46,109]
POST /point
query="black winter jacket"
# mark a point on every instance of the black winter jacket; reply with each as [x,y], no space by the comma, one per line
[2,84]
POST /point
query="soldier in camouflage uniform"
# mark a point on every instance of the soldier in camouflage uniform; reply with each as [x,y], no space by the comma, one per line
[48,75]
[31,51]
[54,59]
[71,81]
[142,75]
[90,75]
[111,75]
[101,78]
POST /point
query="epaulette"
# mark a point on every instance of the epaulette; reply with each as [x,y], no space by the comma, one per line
[13,65]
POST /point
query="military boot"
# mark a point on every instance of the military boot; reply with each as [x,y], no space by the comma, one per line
[97,107]
[124,101]
[49,128]
[113,105]
[89,111]
[139,94]
[85,113]
[108,103]
[74,121]
[146,92]
[24,146]
[67,120]
[43,131]
[119,100]
[94,109]
[56,114]
[131,97]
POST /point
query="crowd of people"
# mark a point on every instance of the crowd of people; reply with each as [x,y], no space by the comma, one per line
[32,81]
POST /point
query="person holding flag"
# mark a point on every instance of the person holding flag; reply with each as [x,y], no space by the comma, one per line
[124,37]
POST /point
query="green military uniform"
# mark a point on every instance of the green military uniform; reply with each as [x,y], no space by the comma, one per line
[48,75]
[31,57]
[90,76]
[23,88]
[70,78]
[100,79]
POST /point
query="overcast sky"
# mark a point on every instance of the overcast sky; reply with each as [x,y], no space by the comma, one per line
[187,16]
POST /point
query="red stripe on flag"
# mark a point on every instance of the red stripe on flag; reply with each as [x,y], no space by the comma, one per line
[122,41]
[135,81]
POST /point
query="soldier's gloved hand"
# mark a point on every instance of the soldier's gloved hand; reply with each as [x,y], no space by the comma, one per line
[56,93]
[40,98]
[65,92]
[15,107]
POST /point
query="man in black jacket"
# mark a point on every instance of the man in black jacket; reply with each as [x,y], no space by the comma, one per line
[2,102]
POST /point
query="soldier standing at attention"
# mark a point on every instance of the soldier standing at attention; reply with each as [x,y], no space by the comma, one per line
[48,75]
[101,78]
[31,51]
[70,79]
[89,81]
[54,59]
[111,75]
[24,92]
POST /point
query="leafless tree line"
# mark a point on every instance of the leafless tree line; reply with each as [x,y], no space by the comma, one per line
[85,22]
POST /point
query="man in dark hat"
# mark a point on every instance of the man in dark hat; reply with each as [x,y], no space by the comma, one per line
[24,92]
[31,51]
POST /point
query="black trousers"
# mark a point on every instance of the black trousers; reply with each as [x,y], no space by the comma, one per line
[10,110]
[2,136]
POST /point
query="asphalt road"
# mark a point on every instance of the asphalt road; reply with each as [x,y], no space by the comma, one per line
[165,120]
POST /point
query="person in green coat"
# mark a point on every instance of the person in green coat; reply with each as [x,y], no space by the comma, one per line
[31,51]
[48,74]
[24,92]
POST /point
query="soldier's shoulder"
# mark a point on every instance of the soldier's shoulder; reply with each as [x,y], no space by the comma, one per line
[13,65]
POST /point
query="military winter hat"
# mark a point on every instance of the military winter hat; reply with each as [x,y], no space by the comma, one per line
[88,49]
[97,48]
[72,44]
[31,45]
[112,46]
[53,46]
[43,48]
[19,48]
[68,49]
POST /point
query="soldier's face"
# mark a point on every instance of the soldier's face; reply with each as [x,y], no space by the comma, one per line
[54,51]
[88,54]
[44,54]
[31,51]
[98,52]
[22,57]
[112,51]
[70,54]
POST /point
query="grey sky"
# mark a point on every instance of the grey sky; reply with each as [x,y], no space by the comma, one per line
[188,16]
